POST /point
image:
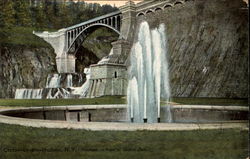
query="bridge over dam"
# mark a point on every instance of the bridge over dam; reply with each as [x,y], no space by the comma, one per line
[200,33]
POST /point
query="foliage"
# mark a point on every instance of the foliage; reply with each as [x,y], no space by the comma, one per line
[22,13]
[48,13]
[27,142]
[7,13]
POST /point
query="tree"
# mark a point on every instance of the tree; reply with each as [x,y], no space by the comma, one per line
[7,16]
[38,17]
[22,10]
[56,7]
[65,19]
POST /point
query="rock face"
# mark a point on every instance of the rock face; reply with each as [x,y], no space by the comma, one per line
[24,68]
[207,47]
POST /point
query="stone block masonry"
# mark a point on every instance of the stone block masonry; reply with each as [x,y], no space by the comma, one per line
[107,79]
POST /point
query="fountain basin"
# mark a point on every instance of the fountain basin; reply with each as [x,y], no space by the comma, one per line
[114,117]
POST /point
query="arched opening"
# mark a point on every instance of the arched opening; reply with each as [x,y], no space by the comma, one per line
[95,45]
[140,14]
[176,3]
[158,9]
[149,12]
[115,74]
[77,39]
[167,6]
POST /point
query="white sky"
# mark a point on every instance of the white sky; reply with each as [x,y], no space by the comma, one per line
[117,3]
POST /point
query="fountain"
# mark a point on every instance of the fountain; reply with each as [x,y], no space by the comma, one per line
[148,75]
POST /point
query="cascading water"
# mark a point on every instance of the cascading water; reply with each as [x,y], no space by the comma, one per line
[54,81]
[28,94]
[83,90]
[69,80]
[148,75]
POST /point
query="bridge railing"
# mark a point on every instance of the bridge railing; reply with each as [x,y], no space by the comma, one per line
[94,20]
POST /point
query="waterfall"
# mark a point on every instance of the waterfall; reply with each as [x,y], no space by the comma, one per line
[28,94]
[69,80]
[56,93]
[54,81]
[148,75]
[83,90]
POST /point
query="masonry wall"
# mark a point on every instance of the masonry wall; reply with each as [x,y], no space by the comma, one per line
[107,79]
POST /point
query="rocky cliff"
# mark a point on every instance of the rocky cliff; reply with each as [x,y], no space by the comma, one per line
[24,68]
[207,47]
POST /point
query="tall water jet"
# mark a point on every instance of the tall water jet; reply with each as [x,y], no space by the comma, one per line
[148,76]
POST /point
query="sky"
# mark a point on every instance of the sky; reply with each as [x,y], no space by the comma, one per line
[117,3]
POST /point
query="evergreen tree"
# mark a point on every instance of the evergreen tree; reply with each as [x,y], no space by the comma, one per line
[38,16]
[7,16]
[1,14]
[48,11]
[23,17]
[65,19]
[56,7]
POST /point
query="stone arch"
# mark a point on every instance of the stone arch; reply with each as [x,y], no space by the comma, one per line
[178,2]
[84,33]
[168,5]
[158,9]
[149,11]
[140,14]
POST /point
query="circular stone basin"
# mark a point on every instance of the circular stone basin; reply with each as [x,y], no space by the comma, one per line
[114,117]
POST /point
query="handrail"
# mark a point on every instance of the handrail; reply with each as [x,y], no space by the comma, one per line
[93,20]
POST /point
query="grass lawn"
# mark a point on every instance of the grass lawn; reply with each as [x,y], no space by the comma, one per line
[115,100]
[24,142]
[212,101]
[57,102]
[17,36]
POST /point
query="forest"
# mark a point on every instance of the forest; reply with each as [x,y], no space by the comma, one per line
[48,14]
